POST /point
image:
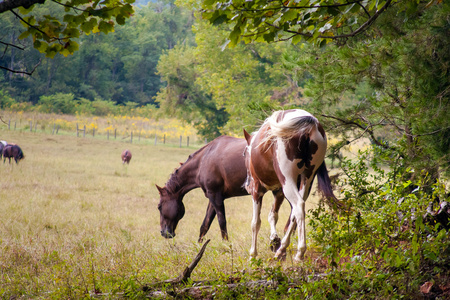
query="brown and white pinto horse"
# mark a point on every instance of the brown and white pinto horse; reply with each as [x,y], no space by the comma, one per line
[286,152]
[126,156]
[219,170]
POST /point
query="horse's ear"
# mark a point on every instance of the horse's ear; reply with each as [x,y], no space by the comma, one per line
[160,189]
[248,137]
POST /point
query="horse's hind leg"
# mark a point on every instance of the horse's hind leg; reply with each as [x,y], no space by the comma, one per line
[275,240]
[209,217]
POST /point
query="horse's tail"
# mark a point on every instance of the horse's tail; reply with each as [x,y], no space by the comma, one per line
[324,186]
[287,128]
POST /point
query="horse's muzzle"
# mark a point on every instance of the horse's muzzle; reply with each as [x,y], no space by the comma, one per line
[166,234]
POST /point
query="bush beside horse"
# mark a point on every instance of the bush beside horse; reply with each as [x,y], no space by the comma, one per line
[12,151]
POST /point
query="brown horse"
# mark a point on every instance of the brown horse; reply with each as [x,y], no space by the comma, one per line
[126,156]
[12,151]
[287,152]
[219,169]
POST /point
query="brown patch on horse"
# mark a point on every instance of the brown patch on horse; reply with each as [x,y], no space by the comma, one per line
[263,157]
[321,130]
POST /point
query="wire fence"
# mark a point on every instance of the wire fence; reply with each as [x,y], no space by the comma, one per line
[154,136]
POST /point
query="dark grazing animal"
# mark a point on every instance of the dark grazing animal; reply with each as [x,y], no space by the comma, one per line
[219,169]
[286,153]
[12,151]
[126,156]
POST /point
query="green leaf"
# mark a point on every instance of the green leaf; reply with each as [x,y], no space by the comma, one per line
[24,10]
[24,35]
[105,27]
[120,19]
[234,35]
[297,38]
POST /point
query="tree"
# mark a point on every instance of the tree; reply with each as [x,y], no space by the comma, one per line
[58,31]
[118,67]
[392,89]
[185,99]
[305,20]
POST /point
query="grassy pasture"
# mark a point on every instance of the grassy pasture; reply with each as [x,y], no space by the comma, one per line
[74,220]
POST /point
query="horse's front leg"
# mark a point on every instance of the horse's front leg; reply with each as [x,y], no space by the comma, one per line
[209,217]
[275,241]
[216,201]
[256,223]
[295,198]
[301,232]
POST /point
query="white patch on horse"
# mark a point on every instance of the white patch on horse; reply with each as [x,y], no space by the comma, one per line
[297,113]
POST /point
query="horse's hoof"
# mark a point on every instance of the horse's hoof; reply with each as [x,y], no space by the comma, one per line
[281,257]
[299,258]
[275,244]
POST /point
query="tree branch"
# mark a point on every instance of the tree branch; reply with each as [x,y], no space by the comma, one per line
[364,128]
[37,28]
[6,5]
[12,45]
[21,72]
[362,28]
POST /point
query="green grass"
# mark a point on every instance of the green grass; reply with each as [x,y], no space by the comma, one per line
[74,220]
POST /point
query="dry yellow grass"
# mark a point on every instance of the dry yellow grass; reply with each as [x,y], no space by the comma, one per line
[73,219]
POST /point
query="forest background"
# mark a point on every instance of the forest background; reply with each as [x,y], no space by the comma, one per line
[388,84]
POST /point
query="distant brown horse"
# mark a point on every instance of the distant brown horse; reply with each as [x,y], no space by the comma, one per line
[287,152]
[12,151]
[126,156]
[219,169]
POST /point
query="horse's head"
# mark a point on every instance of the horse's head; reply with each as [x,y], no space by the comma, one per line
[20,155]
[171,209]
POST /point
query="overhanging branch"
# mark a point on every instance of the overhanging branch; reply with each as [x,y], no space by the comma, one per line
[362,28]
[21,72]
[6,5]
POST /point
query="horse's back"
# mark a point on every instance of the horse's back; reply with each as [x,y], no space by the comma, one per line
[222,167]
[13,151]
[289,142]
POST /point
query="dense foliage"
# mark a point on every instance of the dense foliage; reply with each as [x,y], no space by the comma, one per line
[118,67]
[55,27]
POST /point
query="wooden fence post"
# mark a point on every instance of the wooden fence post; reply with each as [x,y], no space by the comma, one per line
[187,142]
[132,137]
[93,132]
[164,139]
[156,138]
[84,131]
[9,124]
[115,133]
[31,126]
[180,140]
[107,134]
[57,129]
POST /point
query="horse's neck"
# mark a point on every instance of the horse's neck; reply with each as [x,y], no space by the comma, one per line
[187,177]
